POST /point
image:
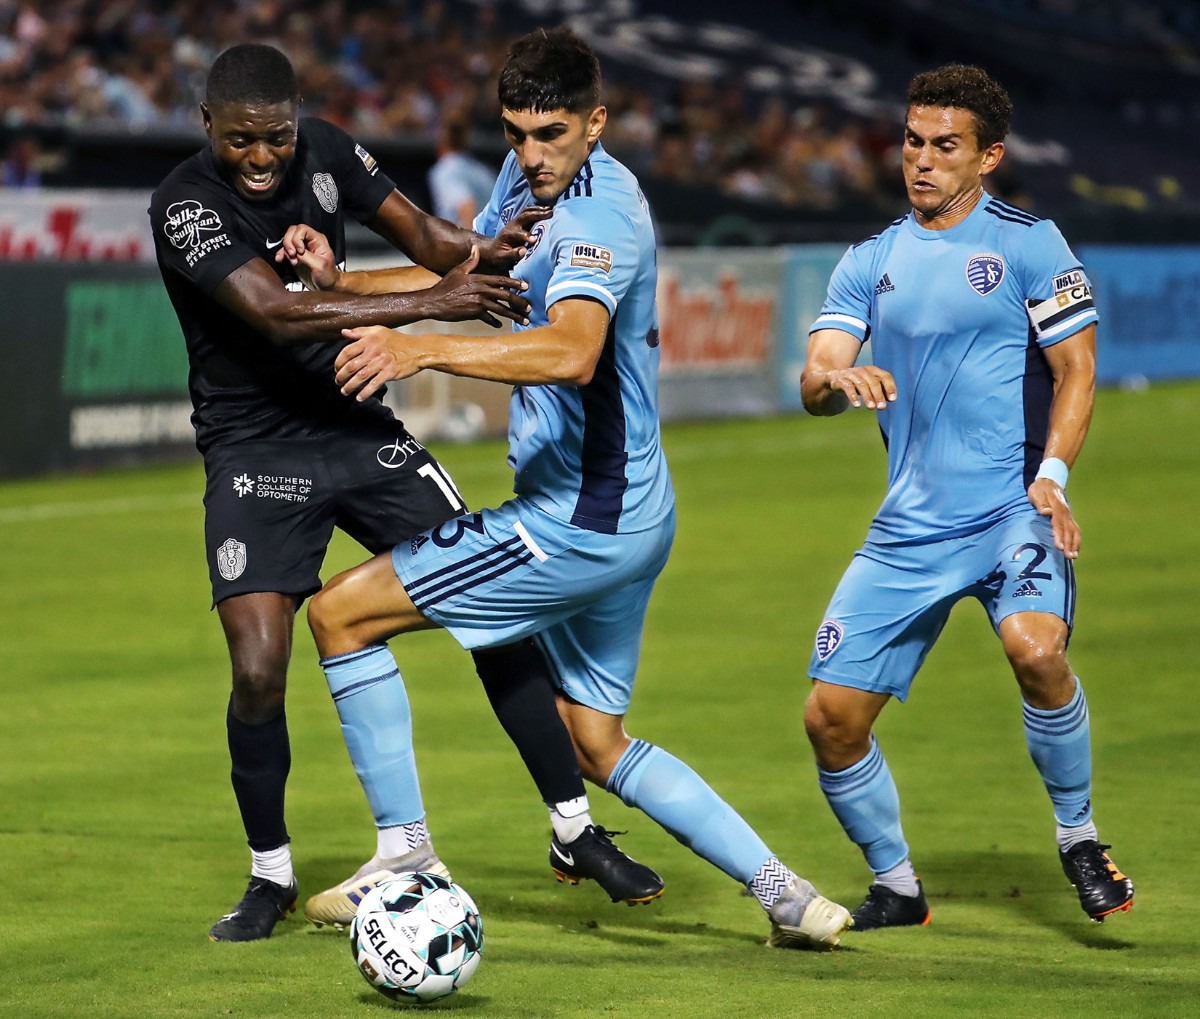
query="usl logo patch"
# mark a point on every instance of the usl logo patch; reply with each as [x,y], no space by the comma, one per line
[591,256]
[829,636]
[985,273]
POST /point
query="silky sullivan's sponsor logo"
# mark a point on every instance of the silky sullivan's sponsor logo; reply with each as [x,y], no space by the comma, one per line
[186,221]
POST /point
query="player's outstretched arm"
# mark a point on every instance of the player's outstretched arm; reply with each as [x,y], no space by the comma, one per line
[439,245]
[1073,363]
[308,251]
[564,352]
[831,382]
[257,296]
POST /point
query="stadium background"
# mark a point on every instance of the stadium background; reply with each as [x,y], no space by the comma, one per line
[765,134]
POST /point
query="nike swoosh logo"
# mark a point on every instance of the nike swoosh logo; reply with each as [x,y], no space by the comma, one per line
[567,858]
[272,245]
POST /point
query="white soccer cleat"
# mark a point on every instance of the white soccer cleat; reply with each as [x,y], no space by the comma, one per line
[812,922]
[336,906]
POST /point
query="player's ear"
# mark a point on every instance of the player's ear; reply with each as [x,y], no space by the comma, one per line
[596,121]
[991,158]
[206,116]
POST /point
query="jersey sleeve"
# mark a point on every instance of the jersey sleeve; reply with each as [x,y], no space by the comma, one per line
[594,254]
[197,234]
[364,187]
[1056,291]
[848,302]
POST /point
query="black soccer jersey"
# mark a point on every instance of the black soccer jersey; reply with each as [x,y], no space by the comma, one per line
[242,385]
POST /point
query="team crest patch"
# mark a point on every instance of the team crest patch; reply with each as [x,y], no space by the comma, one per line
[231,559]
[535,238]
[984,273]
[591,256]
[829,636]
[326,191]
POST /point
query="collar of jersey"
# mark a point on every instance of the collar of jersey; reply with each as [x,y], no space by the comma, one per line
[925,234]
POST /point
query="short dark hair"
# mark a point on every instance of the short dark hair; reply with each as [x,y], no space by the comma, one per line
[252,72]
[550,69]
[966,88]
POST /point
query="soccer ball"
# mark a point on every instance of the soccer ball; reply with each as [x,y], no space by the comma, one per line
[416,937]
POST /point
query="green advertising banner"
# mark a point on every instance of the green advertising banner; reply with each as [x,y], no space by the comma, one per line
[96,368]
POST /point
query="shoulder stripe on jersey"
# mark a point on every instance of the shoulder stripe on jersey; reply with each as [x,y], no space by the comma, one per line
[582,184]
[603,456]
[1015,211]
[999,214]
[894,222]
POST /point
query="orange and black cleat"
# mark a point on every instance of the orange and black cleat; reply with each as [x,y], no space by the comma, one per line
[1102,888]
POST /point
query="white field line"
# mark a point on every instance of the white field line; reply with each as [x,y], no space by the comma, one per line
[680,445]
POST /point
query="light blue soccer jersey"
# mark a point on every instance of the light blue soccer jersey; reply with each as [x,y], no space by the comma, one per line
[960,317]
[591,455]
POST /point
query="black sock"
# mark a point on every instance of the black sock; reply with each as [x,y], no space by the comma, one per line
[261,757]
[517,682]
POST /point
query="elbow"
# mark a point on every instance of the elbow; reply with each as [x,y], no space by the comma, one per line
[575,372]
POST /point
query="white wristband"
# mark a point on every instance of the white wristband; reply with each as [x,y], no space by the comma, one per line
[1054,469]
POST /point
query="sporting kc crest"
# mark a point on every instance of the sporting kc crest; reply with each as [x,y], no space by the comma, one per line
[984,273]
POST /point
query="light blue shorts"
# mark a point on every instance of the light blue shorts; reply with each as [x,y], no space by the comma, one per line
[500,575]
[893,601]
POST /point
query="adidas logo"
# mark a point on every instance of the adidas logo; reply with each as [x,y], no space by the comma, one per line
[1027,590]
[885,285]
[415,545]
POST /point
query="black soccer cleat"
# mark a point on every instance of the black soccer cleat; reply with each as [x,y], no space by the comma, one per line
[594,856]
[885,908]
[262,907]
[1102,888]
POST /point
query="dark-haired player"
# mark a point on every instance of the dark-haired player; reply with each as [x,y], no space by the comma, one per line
[983,331]
[570,561]
[287,458]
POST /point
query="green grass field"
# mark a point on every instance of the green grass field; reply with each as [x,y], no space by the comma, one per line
[120,842]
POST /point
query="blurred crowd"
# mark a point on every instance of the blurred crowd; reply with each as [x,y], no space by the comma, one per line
[401,69]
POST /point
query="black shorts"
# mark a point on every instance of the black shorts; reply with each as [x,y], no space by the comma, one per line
[270,507]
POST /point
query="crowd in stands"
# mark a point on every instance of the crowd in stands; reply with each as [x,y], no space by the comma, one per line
[399,70]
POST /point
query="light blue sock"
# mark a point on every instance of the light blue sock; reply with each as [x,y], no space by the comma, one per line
[377,725]
[865,801]
[666,789]
[1060,744]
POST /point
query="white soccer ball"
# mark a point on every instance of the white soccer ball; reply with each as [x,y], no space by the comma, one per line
[417,937]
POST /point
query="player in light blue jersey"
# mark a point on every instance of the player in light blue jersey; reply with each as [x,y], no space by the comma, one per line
[571,560]
[982,330]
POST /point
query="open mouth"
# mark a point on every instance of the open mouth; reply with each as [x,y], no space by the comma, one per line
[258,183]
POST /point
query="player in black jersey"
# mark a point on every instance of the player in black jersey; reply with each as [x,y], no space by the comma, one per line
[287,458]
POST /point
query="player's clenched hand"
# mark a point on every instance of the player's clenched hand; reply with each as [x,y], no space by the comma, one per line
[376,355]
[308,252]
[864,385]
[463,294]
[511,244]
[1051,501]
